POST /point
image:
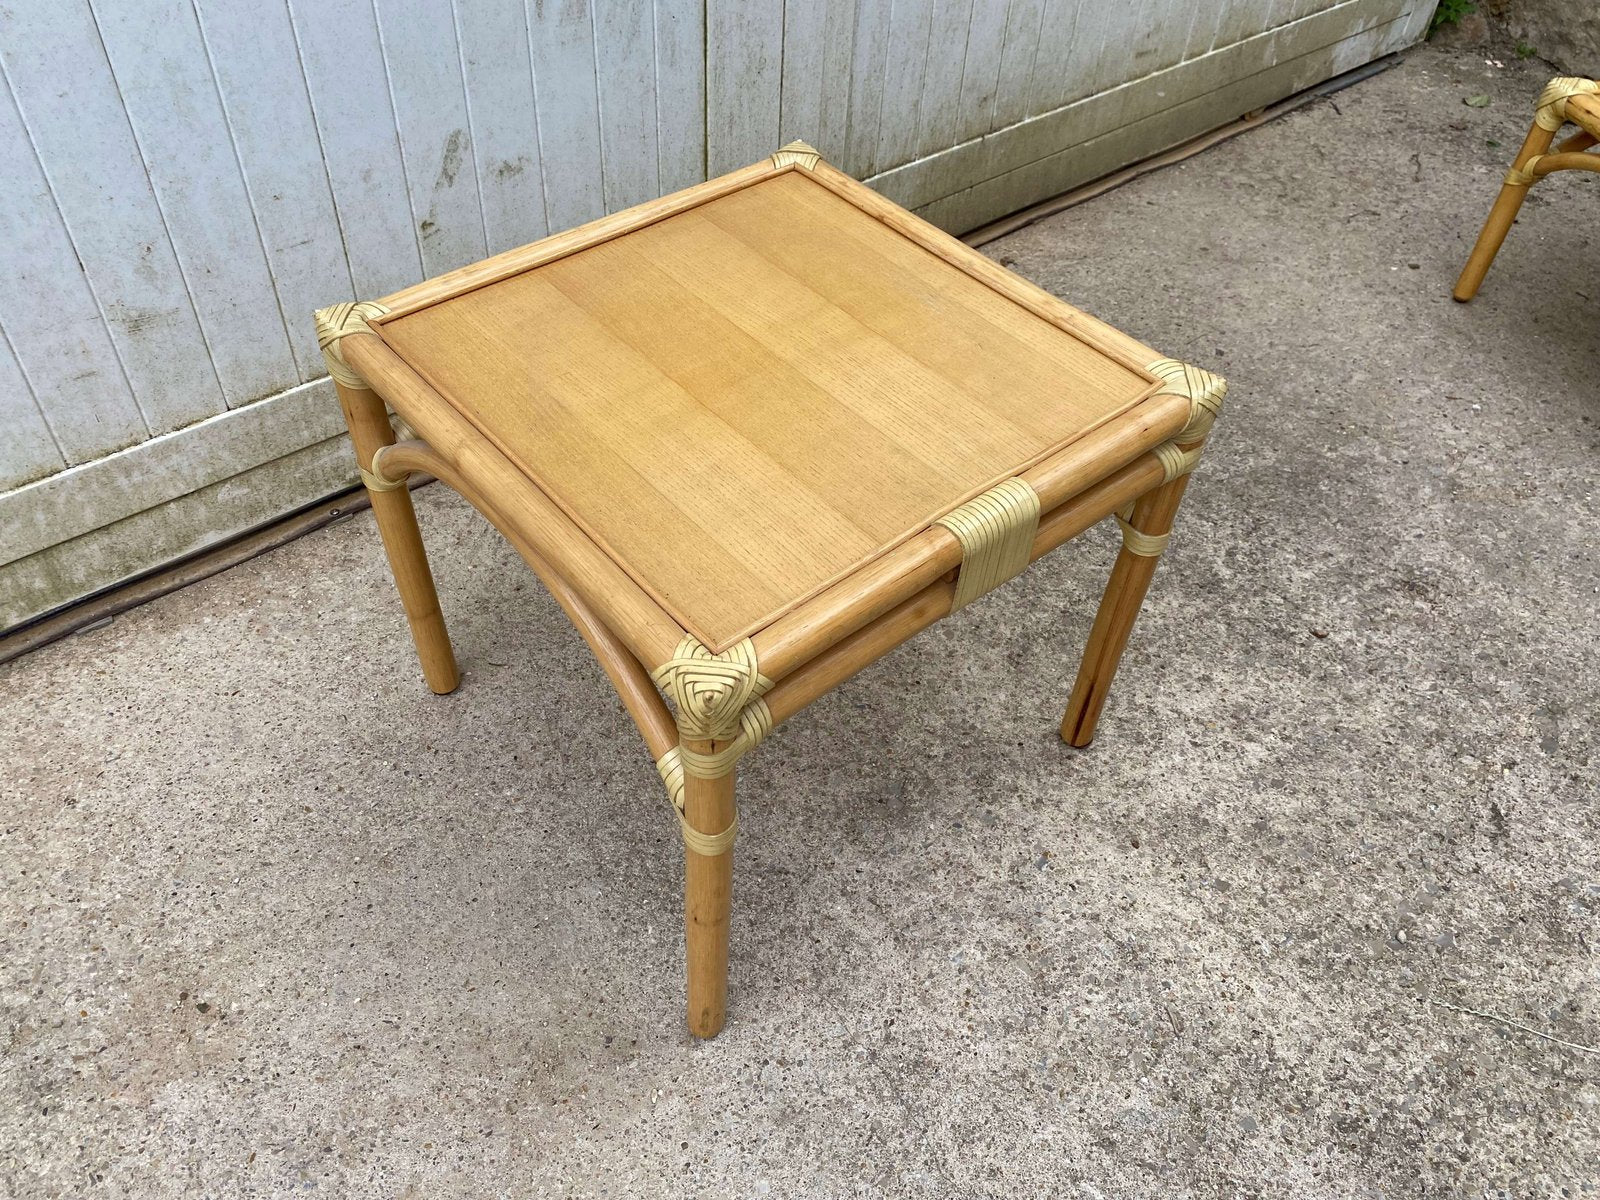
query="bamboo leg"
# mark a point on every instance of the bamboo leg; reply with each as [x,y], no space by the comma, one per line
[1501,216]
[402,541]
[1119,607]
[708,899]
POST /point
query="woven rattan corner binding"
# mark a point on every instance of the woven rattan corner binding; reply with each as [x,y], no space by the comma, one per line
[748,458]
[1565,99]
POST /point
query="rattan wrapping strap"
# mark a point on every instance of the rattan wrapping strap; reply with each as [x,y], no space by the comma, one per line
[376,480]
[718,698]
[711,691]
[1145,545]
[670,767]
[1200,387]
[755,722]
[340,321]
[1526,175]
[1551,110]
[996,532]
[1175,460]
[797,154]
[381,483]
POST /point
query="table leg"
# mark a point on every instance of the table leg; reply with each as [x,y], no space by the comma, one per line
[708,807]
[402,541]
[1504,212]
[1119,608]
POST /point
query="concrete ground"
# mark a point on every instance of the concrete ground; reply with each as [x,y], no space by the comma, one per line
[277,920]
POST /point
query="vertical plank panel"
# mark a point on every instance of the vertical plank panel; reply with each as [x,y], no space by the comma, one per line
[744,81]
[1024,24]
[172,103]
[1240,19]
[344,76]
[561,37]
[800,108]
[430,108]
[1062,48]
[1163,38]
[838,48]
[1119,44]
[625,61]
[504,120]
[1202,24]
[69,103]
[28,451]
[939,110]
[1091,33]
[1203,32]
[980,76]
[62,346]
[680,92]
[869,54]
[818,45]
[505,123]
[257,66]
[905,66]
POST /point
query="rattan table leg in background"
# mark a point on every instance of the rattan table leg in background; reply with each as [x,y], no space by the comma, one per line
[1506,206]
[1119,608]
[1553,110]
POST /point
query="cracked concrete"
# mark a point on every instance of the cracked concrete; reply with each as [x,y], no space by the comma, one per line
[277,920]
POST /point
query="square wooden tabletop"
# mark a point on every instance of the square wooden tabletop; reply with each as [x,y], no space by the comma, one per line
[749,399]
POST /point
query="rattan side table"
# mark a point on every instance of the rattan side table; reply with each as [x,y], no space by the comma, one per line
[752,437]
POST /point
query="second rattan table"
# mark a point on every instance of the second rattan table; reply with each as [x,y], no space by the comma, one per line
[753,436]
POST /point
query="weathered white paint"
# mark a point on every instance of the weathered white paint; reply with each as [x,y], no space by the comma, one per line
[182,181]
[28,451]
[347,80]
[1018,50]
[973,114]
[1025,162]
[105,208]
[170,96]
[818,39]
[626,77]
[939,101]
[503,122]
[680,92]
[744,81]
[186,524]
[63,355]
[252,52]
[905,66]
[869,54]
[561,37]
[422,53]
[73,502]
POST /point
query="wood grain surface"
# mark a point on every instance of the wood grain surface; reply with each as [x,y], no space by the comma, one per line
[744,402]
